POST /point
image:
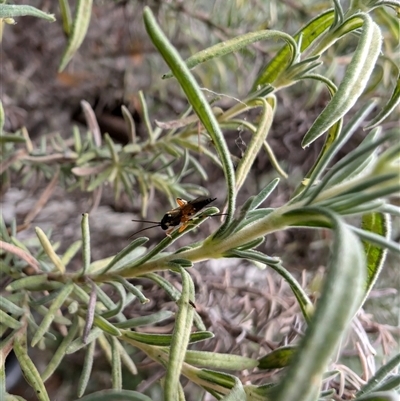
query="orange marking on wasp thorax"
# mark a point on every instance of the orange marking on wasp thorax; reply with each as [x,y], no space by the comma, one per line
[181,202]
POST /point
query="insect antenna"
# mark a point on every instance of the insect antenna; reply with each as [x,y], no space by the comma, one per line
[146,221]
[156,224]
[144,229]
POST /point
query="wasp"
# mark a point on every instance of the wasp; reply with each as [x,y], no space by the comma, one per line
[180,216]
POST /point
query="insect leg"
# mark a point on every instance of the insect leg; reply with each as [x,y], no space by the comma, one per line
[169,231]
[183,226]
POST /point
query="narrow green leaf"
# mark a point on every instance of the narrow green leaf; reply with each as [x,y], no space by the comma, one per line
[128,181]
[127,360]
[10,307]
[145,320]
[78,343]
[19,244]
[116,370]
[263,195]
[181,394]
[106,326]
[30,282]
[90,311]
[185,263]
[9,321]
[274,161]
[259,393]
[106,347]
[11,11]
[86,369]
[50,252]
[281,61]
[3,356]
[339,14]
[43,310]
[111,147]
[304,301]
[252,255]
[219,378]
[28,368]
[12,139]
[199,104]
[58,356]
[380,375]
[85,243]
[380,396]
[391,383]
[352,24]
[113,395]
[3,229]
[174,294]
[354,81]
[77,137]
[376,239]
[130,269]
[34,327]
[126,114]
[235,44]
[297,71]
[162,340]
[252,244]
[49,317]
[180,336]
[355,162]
[341,296]
[2,117]
[336,139]
[146,118]
[390,209]
[165,285]
[252,216]
[215,360]
[71,252]
[78,31]
[106,300]
[65,16]
[333,140]
[133,290]
[237,393]
[388,108]
[122,302]
[256,143]
[101,178]
[278,358]
[121,255]
[85,157]
[379,224]
[239,221]
[367,207]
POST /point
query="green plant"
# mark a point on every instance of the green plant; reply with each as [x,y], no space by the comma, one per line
[360,184]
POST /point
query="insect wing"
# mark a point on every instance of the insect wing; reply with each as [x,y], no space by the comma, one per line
[200,202]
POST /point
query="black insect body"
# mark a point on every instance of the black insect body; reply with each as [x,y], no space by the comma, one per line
[179,216]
